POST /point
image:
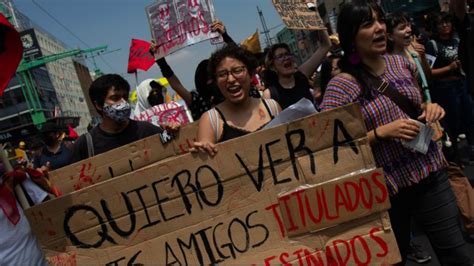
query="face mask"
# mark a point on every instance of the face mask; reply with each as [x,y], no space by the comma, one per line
[119,112]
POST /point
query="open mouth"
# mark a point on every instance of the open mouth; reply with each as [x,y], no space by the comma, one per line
[235,90]
[288,64]
[379,40]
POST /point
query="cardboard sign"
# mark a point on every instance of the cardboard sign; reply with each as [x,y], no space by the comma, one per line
[176,24]
[121,160]
[296,15]
[166,113]
[230,209]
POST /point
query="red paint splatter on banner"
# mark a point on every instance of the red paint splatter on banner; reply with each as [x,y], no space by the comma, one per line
[77,186]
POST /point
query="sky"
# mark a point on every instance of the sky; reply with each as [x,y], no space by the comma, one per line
[116,22]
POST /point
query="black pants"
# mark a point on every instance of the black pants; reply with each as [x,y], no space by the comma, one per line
[432,204]
[454,97]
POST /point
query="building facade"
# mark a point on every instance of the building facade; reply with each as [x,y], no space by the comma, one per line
[56,84]
[71,98]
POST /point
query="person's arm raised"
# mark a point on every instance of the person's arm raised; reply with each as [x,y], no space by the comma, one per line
[173,80]
[308,67]
[219,27]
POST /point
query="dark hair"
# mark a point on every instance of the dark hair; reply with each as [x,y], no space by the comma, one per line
[101,86]
[270,77]
[325,73]
[434,19]
[351,17]
[50,127]
[155,97]
[270,54]
[392,20]
[232,51]
[155,85]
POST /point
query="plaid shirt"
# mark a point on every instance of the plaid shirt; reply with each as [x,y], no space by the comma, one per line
[402,166]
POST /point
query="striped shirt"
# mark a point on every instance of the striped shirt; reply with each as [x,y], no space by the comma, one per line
[402,166]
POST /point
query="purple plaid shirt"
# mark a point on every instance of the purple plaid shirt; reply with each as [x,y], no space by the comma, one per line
[402,166]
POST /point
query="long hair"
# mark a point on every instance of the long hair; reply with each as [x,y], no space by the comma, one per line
[351,17]
[435,19]
[392,21]
[270,76]
[326,69]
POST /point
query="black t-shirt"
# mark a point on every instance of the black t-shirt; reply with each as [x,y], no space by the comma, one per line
[287,97]
[104,141]
[57,160]
[446,51]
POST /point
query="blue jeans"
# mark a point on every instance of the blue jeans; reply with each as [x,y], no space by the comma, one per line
[433,205]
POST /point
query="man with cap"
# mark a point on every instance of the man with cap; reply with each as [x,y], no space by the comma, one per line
[55,153]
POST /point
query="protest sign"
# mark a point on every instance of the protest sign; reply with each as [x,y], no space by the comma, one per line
[296,15]
[166,113]
[121,160]
[231,208]
[175,24]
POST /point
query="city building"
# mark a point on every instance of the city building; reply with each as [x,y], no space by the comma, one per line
[55,92]
[71,98]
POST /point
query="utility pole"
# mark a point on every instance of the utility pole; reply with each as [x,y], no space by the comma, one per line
[265,31]
[29,89]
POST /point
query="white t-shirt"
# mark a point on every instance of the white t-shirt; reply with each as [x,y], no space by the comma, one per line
[18,246]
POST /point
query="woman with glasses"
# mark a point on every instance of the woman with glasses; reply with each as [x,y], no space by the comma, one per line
[239,114]
[286,83]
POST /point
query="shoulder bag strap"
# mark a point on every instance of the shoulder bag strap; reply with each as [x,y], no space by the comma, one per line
[424,82]
[399,99]
[90,145]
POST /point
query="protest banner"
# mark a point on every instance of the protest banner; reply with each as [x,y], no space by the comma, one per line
[166,113]
[121,160]
[231,208]
[175,24]
[296,15]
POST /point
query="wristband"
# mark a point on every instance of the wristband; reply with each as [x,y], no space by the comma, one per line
[377,137]
[166,70]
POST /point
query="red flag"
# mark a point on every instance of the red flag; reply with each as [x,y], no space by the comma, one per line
[11,51]
[72,133]
[140,57]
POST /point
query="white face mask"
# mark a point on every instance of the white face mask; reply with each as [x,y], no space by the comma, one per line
[119,112]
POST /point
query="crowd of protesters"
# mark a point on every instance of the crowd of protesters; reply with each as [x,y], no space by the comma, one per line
[377,60]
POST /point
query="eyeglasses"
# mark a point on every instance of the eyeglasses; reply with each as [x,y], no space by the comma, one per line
[283,57]
[237,72]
